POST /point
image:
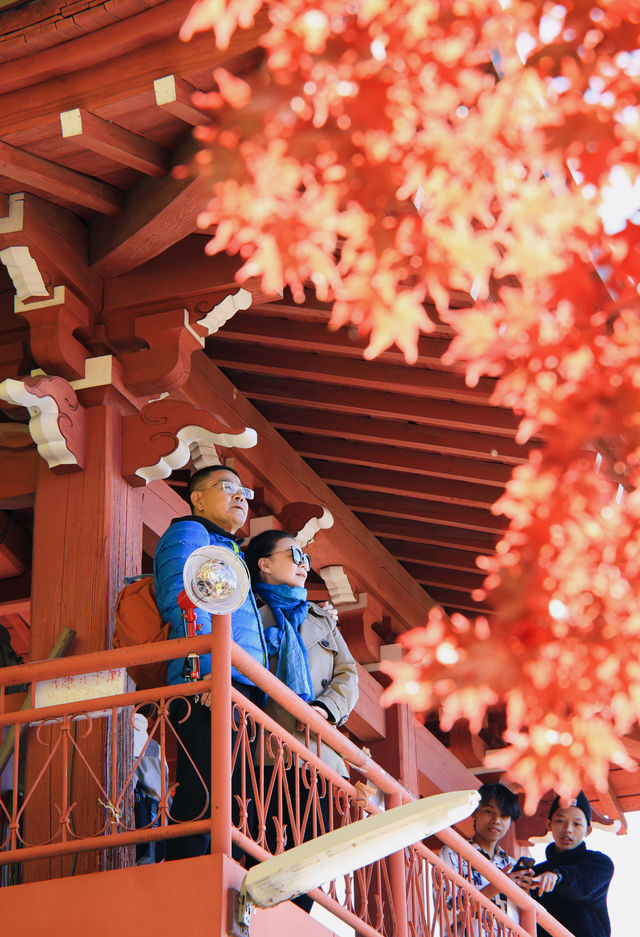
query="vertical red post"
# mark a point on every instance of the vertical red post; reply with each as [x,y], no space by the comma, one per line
[87,535]
[398,879]
[221,734]
[528,920]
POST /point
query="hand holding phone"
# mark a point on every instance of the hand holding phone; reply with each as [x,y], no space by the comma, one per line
[524,863]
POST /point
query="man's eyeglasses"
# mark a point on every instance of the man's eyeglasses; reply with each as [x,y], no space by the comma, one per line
[298,557]
[231,488]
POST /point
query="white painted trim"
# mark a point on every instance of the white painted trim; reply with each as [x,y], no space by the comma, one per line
[43,425]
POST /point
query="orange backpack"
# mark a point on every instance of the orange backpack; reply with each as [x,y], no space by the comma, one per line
[138,621]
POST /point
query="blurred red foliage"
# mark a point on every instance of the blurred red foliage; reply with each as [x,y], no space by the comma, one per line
[389,150]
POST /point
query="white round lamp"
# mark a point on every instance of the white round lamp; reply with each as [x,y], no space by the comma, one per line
[216,579]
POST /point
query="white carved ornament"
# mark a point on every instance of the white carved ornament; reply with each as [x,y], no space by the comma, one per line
[186,437]
[338,585]
[43,425]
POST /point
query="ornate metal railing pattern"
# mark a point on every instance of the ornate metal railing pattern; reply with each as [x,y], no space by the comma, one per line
[281,788]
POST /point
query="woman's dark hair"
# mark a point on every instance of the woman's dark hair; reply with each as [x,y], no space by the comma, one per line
[261,545]
[505,799]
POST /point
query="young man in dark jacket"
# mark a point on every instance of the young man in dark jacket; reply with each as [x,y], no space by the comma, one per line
[219,508]
[573,882]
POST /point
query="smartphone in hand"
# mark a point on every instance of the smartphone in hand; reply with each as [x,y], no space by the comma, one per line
[524,862]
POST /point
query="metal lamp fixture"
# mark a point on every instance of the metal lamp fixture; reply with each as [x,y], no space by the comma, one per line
[342,851]
[216,579]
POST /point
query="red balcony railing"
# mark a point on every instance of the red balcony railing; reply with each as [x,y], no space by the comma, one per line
[409,894]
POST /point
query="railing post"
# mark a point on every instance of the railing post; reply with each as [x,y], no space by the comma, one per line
[528,920]
[398,879]
[221,734]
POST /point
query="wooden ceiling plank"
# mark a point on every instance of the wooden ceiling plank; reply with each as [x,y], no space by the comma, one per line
[451,579]
[360,401]
[160,212]
[332,370]
[115,142]
[120,38]
[299,334]
[394,433]
[105,72]
[405,484]
[366,502]
[459,601]
[174,95]
[431,555]
[398,459]
[57,182]
[412,532]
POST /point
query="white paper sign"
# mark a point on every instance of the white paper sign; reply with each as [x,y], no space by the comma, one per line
[82,686]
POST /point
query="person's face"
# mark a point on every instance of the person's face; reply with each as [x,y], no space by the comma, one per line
[491,823]
[224,508]
[280,568]
[569,827]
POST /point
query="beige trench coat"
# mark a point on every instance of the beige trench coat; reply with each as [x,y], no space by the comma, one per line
[333,675]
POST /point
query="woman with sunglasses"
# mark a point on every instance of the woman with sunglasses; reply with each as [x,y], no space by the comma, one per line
[306,651]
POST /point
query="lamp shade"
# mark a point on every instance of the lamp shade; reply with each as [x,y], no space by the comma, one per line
[354,846]
[216,579]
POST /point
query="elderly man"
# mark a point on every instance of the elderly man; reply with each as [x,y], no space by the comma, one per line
[218,509]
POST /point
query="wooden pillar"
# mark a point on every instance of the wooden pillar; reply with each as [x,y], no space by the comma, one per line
[397,753]
[87,536]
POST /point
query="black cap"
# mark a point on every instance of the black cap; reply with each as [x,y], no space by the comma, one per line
[580,801]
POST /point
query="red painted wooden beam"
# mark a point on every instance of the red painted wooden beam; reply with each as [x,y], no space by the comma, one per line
[397,458]
[338,371]
[405,484]
[373,403]
[115,142]
[394,432]
[420,510]
[57,182]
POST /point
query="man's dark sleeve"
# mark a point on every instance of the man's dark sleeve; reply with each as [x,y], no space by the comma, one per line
[582,880]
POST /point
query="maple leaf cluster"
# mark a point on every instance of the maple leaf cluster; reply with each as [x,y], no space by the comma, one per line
[387,151]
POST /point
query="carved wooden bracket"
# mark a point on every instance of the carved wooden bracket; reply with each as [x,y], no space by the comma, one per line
[303,521]
[156,441]
[52,323]
[166,363]
[224,310]
[338,585]
[357,622]
[42,244]
[57,424]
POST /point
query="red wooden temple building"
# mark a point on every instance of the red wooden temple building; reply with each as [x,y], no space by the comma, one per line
[128,357]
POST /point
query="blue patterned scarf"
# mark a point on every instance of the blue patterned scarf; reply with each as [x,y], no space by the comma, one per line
[289,607]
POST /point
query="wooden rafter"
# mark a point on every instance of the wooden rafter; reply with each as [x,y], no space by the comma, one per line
[57,182]
[425,511]
[441,413]
[333,370]
[114,142]
[174,95]
[397,458]
[392,432]
[406,484]
[159,213]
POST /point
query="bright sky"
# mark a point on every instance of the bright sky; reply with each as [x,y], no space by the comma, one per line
[623,893]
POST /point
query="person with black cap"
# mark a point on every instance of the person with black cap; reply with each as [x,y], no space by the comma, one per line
[572,883]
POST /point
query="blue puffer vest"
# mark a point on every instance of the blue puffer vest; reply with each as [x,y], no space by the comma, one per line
[184,535]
